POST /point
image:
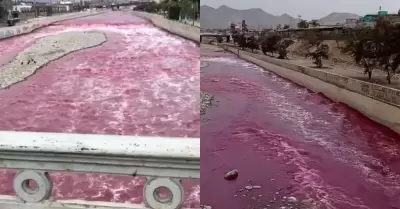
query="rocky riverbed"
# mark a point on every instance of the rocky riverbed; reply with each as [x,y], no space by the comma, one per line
[206,101]
[45,50]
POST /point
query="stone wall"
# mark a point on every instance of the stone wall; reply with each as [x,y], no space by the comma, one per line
[186,31]
[37,23]
[379,103]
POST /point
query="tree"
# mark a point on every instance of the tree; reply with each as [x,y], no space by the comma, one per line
[232,27]
[269,43]
[220,39]
[387,47]
[244,26]
[173,9]
[376,48]
[279,27]
[282,46]
[321,52]
[303,24]
[314,23]
[242,41]
[252,43]
[286,26]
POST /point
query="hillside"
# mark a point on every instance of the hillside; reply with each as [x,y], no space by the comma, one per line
[221,17]
[335,17]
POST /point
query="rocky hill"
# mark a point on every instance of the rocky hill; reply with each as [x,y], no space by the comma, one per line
[221,17]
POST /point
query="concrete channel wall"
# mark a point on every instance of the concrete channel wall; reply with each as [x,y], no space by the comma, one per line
[186,31]
[379,103]
[37,23]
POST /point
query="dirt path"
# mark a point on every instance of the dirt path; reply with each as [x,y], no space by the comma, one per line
[346,69]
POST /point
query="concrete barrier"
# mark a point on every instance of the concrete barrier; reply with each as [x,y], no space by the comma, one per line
[186,31]
[379,103]
[37,23]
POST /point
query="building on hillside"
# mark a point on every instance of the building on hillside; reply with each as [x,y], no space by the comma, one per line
[370,19]
[332,32]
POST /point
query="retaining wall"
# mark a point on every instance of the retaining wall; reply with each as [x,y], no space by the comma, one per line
[37,23]
[186,31]
[379,103]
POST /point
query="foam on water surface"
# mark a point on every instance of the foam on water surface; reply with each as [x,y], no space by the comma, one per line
[311,147]
[142,81]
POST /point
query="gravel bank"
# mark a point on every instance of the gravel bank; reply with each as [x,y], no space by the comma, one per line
[44,51]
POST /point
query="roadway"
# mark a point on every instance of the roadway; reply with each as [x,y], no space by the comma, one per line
[141,81]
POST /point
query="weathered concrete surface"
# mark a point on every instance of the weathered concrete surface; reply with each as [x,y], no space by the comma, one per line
[45,50]
[37,23]
[379,103]
[186,31]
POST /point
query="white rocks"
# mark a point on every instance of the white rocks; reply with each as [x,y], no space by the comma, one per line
[45,50]
[292,199]
[248,187]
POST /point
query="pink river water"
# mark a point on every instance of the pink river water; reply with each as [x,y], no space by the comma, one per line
[142,81]
[291,142]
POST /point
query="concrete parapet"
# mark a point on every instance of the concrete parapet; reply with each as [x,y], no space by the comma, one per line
[379,103]
[186,31]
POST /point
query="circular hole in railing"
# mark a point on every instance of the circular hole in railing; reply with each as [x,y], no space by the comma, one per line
[163,195]
[30,186]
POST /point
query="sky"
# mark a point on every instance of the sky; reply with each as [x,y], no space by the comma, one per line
[310,9]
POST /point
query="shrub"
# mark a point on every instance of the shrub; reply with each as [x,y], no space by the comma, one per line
[269,43]
[220,39]
[252,43]
[321,52]
[303,24]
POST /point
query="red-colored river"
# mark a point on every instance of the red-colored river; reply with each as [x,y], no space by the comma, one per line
[142,81]
[291,142]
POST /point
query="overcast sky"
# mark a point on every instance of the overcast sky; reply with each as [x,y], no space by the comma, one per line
[309,9]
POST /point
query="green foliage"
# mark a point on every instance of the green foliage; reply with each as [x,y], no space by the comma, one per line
[286,26]
[321,52]
[282,46]
[232,27]
[150,7]
[235,36]
[242,40]
[269,43]
[314,23]
[303,24]
[244,26]
[174,10]
[252,43]
[376,48]
[220,39]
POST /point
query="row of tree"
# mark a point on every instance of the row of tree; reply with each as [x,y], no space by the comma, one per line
[173,9]
[272,43]
[374,48]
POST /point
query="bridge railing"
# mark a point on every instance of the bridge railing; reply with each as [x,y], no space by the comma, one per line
[164,161]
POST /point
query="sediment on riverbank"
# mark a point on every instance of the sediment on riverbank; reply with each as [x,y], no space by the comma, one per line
[45,50]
